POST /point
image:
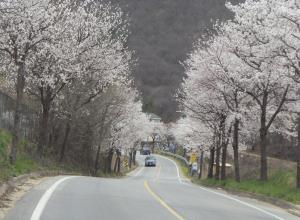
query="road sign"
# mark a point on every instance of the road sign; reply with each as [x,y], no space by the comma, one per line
[193,158]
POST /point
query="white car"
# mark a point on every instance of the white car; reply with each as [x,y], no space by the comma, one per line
[150,161]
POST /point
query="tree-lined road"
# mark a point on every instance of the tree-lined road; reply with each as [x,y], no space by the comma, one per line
[148,193]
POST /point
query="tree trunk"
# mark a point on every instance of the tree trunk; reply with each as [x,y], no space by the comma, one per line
[115,166]
[298,154]
[43,130]
[130,159]
[96,164]
[298,171]
[217,172]
[201,165]
[224,144]
[211,163]
[51,133]
[134,157]
[109,159]
[18,113]
[50,140]
[218,152]
[106,161]
[65,141]
[56,130]
[263,146]
[224,157]
[263,157]
[235,146]
[119,165]
[88,152]
[264,130]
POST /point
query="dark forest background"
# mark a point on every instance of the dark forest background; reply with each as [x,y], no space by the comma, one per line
[162,34]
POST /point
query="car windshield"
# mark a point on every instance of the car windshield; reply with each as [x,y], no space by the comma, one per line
[150,158]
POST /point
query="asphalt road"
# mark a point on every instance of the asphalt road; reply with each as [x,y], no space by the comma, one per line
[148,193]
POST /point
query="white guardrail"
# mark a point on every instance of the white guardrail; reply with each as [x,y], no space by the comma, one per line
[176,156]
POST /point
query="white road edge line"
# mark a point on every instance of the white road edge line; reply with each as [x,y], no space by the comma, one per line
[223,195]
[241,202]
[177,169]
[45,198]
[236,200]
[138,172]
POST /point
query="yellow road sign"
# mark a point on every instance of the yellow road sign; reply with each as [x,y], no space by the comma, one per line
[193,158]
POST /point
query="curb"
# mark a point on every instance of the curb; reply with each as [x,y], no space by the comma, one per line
[132,171]
[288,206]
[11,184]
[8,186]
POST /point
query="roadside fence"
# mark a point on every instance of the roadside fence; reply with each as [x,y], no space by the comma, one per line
[29,118]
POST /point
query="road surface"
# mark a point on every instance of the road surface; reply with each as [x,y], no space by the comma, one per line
[149,193]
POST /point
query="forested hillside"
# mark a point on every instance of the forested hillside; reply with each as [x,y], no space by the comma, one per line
[162,33]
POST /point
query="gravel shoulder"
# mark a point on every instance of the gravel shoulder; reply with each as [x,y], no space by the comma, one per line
[9,199]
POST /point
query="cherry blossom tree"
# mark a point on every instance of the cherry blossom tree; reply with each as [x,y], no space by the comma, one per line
[202,101]
[48,47]
[133,125]
[244,71]
[92,50]
[287,44]
[264,75]
[25,25]
[192,133]
[92,136]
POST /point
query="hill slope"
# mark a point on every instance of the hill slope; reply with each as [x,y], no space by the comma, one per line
[162,34]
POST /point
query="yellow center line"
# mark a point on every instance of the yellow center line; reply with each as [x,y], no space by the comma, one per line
[157,173]
[162,202]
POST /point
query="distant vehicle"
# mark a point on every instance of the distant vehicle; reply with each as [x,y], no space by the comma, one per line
[150,161]
[145,151]
[145,148]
